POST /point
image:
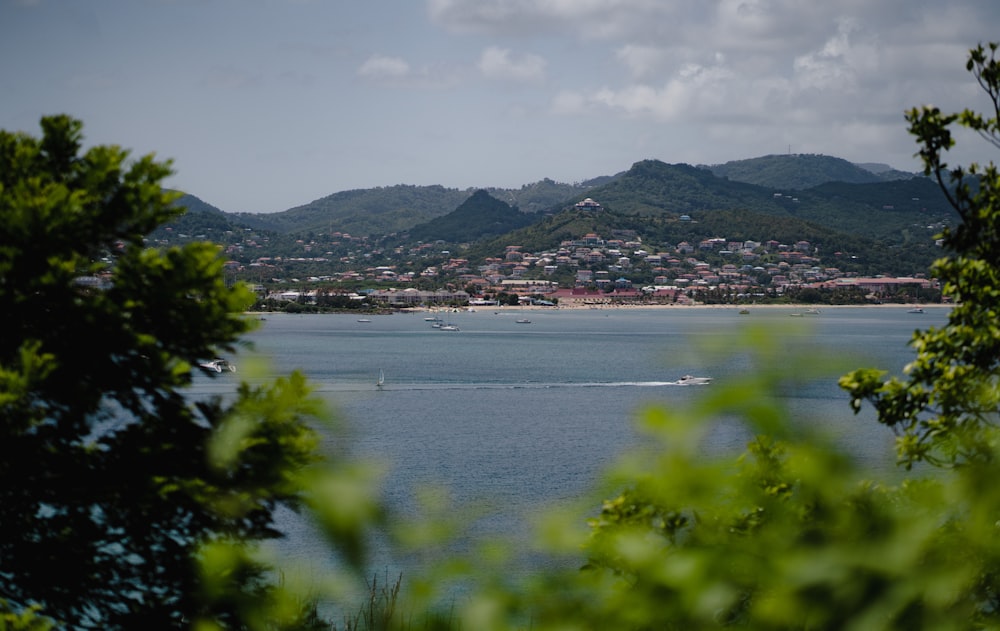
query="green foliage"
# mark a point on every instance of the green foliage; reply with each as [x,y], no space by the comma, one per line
[945,408]
[111,478]
[794,533]
[479,216]
[23,619]
[798,171]
[380,211]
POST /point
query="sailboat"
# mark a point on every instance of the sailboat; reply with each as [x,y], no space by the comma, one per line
[381,378]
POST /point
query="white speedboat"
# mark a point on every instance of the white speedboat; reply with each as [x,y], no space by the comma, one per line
[218,365]
[449,327]
[688,380]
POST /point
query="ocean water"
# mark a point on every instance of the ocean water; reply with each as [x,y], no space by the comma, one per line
[510,417]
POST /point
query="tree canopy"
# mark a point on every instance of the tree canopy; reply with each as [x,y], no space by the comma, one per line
[944,410]
[108,479]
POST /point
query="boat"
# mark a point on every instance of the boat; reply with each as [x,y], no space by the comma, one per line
[381,378]
[219,364]
[812,311]
[523,321]
[364,319]
[688,380]
[449,327]
[744,311]
[916,310]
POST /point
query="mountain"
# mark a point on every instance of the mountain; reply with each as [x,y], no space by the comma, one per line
[668,203]
[201,218]
[478,217]
[894,219]
[385,210]
[801,171]
[886,172]
[397,209]
[362,212]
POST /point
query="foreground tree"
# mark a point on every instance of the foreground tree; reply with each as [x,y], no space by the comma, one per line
[944,411]
[109,481]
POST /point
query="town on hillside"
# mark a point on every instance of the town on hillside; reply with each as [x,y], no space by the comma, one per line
[593,269]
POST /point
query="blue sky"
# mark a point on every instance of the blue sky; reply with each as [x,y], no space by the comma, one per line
[264,105]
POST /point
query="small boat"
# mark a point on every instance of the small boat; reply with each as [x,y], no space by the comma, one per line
[219,364]
[916,310]
[812,311]
[381,378]
[449,327]
[744,311]
[523,321]
[364,319]
[795,315]
[688,380]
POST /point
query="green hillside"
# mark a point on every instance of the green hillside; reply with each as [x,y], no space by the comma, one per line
[385,210]
[888,226]
[893,220]
[794,171]
[478,217]
[363,212]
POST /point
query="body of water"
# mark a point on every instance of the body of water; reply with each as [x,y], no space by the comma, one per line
[520,415]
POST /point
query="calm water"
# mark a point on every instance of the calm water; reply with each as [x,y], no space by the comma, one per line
[514,416]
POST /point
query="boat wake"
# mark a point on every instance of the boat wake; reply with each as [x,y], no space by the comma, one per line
[403,386]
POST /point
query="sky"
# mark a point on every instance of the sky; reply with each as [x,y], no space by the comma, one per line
[265,105]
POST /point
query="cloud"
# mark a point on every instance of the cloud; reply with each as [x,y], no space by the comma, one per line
[383,67]
[588,18]
[642,60]
[500,63]
[694,91]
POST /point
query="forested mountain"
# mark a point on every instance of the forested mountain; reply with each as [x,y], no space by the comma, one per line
[664,203]
[801,171]
[884,210]
[201,218]
[363,212]
[478,217]
[386,210]
[896,218]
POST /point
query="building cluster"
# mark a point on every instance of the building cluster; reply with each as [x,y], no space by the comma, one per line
[618,266]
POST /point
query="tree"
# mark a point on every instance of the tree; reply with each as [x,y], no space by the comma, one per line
[944,410]
[111,477]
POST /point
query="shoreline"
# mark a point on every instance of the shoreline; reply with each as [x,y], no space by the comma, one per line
[612,307]
[797,308]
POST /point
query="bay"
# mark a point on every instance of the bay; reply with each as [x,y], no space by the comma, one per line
[510,417]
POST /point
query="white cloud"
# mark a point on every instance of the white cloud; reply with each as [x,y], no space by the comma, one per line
[695,92]
[642,60]
[588,18]
[500,63]
[830,67]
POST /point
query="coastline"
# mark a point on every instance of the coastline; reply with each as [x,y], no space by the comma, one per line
[795,308]
[752,307]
